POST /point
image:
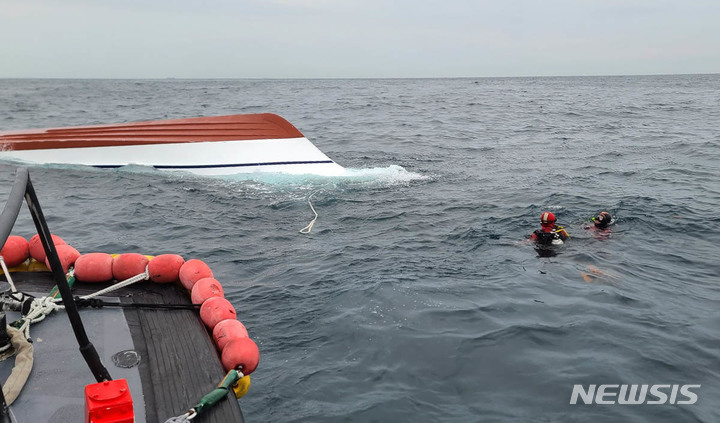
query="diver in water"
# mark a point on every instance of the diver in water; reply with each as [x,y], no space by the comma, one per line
[601,225]
[549,233]
[602,220]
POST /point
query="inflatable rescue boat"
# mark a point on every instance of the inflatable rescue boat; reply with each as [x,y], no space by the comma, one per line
[220,145]
[113,338]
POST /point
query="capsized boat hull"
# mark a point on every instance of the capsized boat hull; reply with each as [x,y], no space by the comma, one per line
[221,145]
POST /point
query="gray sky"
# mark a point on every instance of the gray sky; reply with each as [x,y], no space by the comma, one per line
[355,38]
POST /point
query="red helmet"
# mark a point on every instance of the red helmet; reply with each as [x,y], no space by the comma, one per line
[547,218]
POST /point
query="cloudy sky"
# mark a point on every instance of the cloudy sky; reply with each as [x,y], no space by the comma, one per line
[355,38]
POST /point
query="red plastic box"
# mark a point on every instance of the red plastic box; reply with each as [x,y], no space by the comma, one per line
[109,402]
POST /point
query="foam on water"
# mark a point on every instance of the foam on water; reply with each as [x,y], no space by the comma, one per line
[367,177]
[391,175]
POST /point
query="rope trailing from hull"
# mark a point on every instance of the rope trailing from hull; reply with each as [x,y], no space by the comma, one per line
[308,228]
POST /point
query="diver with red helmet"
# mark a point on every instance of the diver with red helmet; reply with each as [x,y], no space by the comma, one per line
[549,233]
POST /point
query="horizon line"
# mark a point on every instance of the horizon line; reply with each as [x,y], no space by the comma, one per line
[170,78]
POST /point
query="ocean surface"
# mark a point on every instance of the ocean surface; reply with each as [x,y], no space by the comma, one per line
[416,297]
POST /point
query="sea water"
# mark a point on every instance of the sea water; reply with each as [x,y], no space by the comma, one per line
[416,296]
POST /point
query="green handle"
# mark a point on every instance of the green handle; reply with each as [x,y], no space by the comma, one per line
[55,292]
[218,393]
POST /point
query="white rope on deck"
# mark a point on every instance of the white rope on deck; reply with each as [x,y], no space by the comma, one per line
[41,307]
[308,228]
[137,278]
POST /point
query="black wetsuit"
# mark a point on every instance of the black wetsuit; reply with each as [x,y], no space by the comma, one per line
[545,238]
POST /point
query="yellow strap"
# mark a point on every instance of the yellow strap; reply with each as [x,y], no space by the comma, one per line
[561,229]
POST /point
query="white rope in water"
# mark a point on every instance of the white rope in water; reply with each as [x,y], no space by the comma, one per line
[7,274]
[308,228]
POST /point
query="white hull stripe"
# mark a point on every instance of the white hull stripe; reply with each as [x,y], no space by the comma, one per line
[220,166]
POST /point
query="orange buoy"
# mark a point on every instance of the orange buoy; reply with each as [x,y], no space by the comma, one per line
[36,249]
[227,330]
[192,271]
[241,354]
[216,309]
[204,289]
[67,255]
[94,267]
[165,268]
[125,266]
[15,251]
